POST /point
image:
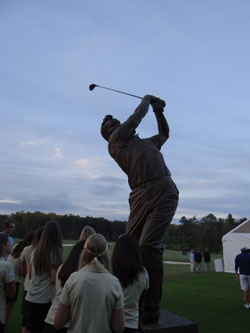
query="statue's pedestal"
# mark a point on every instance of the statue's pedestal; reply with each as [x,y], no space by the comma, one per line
[171,323]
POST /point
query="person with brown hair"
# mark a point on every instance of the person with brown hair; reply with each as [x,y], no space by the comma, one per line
[71,265]
[25,263]
[92,298]
[7,278]
[45,260]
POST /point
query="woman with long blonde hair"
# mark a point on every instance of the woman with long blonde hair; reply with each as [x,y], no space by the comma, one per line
[86,232]
[92,297]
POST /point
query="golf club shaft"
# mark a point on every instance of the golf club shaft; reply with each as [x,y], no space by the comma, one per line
[121,92]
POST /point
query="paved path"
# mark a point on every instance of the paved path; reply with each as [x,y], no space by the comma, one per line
[176,263]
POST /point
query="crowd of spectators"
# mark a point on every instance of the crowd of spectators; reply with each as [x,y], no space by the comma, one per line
[90,292]
[195,259]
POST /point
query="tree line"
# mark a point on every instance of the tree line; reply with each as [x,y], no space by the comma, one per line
[71,225]
[206,232]
[189,233]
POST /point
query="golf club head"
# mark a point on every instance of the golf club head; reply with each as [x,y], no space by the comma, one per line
[92,86]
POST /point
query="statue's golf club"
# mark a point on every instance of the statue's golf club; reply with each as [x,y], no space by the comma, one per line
[92,87]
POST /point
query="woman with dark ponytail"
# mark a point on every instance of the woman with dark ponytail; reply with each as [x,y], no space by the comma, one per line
[133,279]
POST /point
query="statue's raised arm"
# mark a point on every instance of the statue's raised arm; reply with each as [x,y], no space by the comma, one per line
[134,120]
[163,127]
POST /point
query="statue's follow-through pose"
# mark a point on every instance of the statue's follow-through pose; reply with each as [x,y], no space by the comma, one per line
[154,196]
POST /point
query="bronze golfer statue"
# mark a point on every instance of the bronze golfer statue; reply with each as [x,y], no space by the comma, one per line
[154,196]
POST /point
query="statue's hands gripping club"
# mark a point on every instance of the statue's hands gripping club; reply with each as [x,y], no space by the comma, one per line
[158,104]
[158,108]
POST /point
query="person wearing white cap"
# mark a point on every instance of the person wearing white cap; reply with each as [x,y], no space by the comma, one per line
[242,265]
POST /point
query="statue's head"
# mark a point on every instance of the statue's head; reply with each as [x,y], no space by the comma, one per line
[109,124]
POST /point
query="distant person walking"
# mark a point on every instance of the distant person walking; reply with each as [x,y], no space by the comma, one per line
[192,261]
[207,259]
[198,260]
[242,273]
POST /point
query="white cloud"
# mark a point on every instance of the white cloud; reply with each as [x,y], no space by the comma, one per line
[92,166]
[69,132]
[84,162]
[10,201]
[209,193]
[31,143]
[58,153]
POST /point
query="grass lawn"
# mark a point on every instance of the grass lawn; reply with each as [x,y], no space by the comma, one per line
[178,256]
[213,300]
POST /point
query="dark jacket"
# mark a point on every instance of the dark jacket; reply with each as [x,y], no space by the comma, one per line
[197,257]
[242,263]
[206,256]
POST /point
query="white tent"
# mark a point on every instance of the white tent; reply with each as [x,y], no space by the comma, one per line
[232,242]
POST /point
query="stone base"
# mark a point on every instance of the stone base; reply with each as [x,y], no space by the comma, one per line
[171,323]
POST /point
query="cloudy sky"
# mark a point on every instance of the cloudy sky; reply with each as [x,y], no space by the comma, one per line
[194,54]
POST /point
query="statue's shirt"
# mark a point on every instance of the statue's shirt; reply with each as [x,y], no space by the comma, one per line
[140,159]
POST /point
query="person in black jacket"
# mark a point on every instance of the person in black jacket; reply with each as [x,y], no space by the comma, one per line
[242,273]
[207,259]
[198,260]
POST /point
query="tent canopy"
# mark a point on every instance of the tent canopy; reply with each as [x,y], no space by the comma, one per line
[233,241]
